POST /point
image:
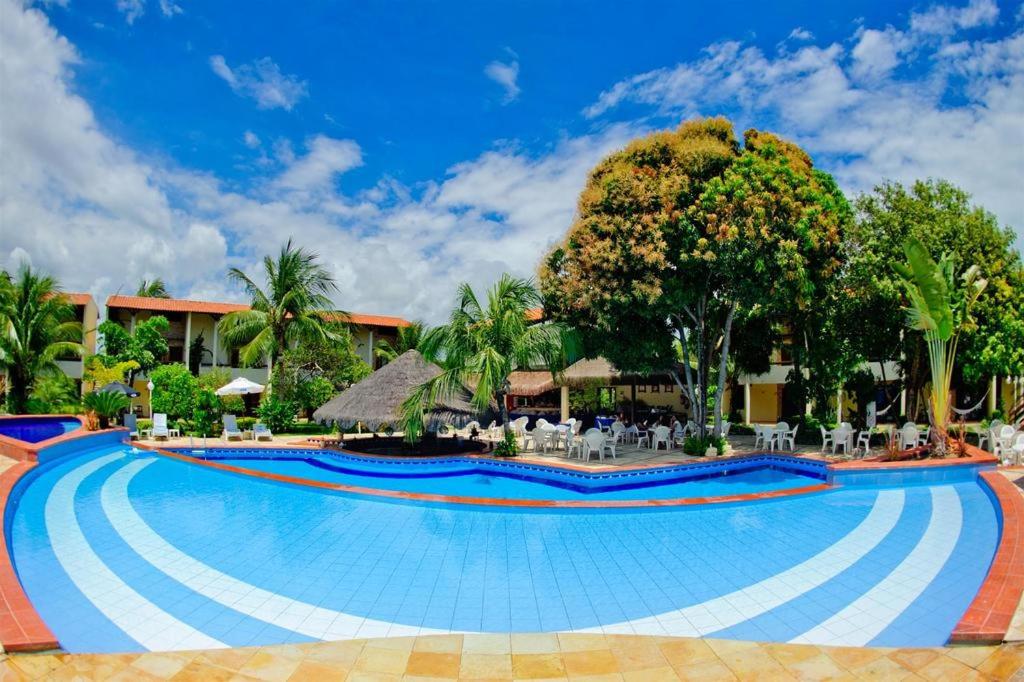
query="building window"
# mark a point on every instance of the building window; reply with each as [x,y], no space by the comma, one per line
[656,388]
[641,388]
[669,388]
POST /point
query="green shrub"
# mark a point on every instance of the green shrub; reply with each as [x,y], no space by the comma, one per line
[315,392]
[245,423]
[741,430]
[144,424]
[277,414]
[105,405]
[174,391]
[206,413]
[508,447]
[695,446]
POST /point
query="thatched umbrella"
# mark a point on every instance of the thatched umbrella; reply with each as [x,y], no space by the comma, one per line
[377,399]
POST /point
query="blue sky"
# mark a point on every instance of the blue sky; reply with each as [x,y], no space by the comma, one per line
[418,144]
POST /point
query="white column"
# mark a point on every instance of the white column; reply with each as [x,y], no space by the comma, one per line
[903,401]
[369,349]
[839,406]
[216,345]
[564,403]
[188,335]
[746,403]
[993,393]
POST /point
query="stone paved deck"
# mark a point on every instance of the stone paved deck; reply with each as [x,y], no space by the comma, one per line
[575,657]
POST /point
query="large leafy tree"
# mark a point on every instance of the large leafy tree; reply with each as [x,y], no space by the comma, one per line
[481,345]
[138,351]
[407,338]
[292,308]
[37,327]
[682,234]
[153,289]
[942,218]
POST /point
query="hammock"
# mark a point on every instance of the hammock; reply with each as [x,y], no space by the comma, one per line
[964,413]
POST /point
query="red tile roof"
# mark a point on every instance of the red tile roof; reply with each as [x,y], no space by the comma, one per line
[78,298]
[180,305]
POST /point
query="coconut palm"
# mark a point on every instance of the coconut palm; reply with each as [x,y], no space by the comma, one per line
[940,308]
[152,289]
[481,345]
[295,306]
[37,326]
[408,338]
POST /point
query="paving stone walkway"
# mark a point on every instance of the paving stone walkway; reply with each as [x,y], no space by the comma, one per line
[575,657]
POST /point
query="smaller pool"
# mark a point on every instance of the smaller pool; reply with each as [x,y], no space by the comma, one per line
[37,429]
[511,480]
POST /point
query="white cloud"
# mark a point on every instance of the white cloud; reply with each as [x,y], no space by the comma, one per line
[262,81]
[131,9]
[169,8]
[326,158]
[251,140]
[900,105]
[945,20]
[505,74]
[800,33]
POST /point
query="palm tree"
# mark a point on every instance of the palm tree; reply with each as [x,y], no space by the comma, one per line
[37,326]
[481,345]
[408,338]
[294,307]
[940,308]
[154,289]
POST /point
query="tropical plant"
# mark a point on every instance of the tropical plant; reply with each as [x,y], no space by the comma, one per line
[197,350]
[37,326]
[53,393]
[174,391]
[214,379]
[481,345]
[277,414]
[96,374]
[940,308]
[407,338]
[152,289]
[508,446]
[145,345]
[105,405]
[292,309]
[205,412]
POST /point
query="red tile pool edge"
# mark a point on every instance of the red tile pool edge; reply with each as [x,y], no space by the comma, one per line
[29,452]
[487,501]
[21,628]
[988,617]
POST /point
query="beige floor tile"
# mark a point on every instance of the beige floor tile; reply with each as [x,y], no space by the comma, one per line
[163,666]
[1004,662]
[534,643]
[883,668]
[914,659]
[336,653]
[487,644]
[441,644]
[433,664]
[315,671]
[362,676]
[707,670]
[537,666]
[485,666]
[945,668]
[608,677]
[817,667]
[32,666]
[637,653]
[270,666]
[581,642]
[374,659]
[197,671]
[684,652]
[659,674]
[850,657]
[596,662]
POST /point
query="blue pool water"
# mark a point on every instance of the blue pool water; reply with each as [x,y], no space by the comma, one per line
[37,429]
[464,477]
[123,551]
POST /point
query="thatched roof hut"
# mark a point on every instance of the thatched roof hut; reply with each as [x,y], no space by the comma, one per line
[377,399]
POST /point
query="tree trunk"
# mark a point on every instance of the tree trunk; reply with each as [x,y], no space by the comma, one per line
[723,369]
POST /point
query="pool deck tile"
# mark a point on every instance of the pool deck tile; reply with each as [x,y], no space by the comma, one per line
[580,657]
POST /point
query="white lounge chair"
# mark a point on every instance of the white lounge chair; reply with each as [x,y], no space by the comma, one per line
[261,432]
[160,429]
[231,430]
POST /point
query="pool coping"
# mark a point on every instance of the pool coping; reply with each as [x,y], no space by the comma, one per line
[497,502]
[24,451]
[986,620]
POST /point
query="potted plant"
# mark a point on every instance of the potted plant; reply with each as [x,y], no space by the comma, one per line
[105,406]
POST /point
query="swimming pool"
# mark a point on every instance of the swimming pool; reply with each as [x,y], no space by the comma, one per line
[128,551]
[37,429]
[488,479]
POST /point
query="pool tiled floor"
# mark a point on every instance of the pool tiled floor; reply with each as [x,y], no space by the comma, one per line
[531,657]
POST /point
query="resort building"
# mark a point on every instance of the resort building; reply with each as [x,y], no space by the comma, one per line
[86,314]
[193,326]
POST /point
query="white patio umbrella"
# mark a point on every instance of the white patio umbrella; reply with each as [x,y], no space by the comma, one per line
[240,386]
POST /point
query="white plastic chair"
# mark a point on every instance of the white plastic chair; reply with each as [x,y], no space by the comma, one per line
[631,435]
[909,436]
[618,431]
[1017,450]
[662,434]
[643,438]
[594,441]
[788,437]
[725,429]
[761,435]
[826,439]
[1002,440]
[231,429]
[261,432]
[777,434]
[574,444]
[863,443]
